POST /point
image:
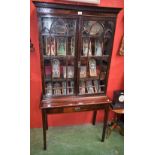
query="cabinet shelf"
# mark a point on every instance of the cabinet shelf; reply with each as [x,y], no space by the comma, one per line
[87,94]
[49,79]
[69,57]
[57,96]
[55,35]
[103,57]
[90,78]
[92,36]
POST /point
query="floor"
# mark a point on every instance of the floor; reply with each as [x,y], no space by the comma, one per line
[76,140]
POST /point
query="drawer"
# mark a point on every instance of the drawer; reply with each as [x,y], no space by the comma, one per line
[82,108]
[75,109]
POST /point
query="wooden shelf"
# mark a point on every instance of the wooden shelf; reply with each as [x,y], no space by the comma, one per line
[69,57]
[45,97]
[91,78]
[100,86]
[87,94]
[91,36]
[49,79]
[55,35]
[103,57]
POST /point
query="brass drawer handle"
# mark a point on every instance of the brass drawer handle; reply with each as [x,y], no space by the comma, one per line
[77,108]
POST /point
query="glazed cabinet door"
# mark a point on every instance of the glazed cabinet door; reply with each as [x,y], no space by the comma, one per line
[96,37]
[58,39]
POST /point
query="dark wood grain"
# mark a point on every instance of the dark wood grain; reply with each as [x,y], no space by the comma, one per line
[94,117]
[74,101]
[106,109]
[44,127]
[76,7]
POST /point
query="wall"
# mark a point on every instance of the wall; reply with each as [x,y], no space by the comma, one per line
[115,82]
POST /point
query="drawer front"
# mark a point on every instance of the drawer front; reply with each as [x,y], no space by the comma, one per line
[75,109]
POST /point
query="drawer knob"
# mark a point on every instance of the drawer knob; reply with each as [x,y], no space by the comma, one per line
[77,108]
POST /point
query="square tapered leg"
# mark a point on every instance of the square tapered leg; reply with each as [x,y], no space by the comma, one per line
[44,128]
[106,110]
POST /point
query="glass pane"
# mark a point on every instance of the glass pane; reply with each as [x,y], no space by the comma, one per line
[49,46]
[92,28]
[59,26]
[58,40]
[93,61]
[46,24]
[58,46]
[61,46]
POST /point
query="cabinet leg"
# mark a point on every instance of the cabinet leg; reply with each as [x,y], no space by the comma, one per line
[46,122]
[94,117]
[44,128]
[106,110]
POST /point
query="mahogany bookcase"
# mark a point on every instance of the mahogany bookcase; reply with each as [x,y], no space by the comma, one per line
[76,43]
